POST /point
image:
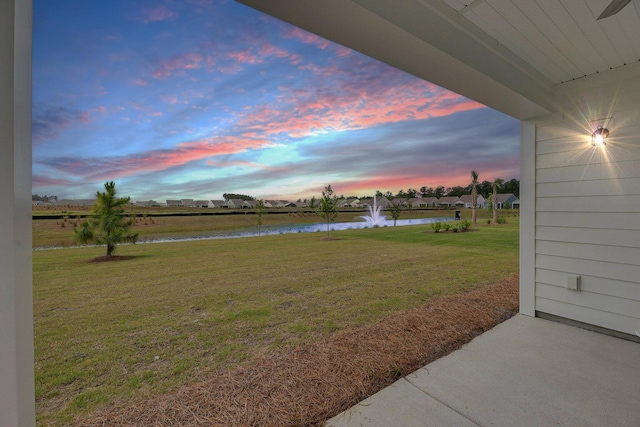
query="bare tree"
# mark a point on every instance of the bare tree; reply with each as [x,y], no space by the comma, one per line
[327,208]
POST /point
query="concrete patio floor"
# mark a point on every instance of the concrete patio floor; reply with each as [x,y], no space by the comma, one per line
[525,372]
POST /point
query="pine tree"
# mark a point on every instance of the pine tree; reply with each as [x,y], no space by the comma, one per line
[108,224]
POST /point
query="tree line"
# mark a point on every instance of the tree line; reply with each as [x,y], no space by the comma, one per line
[484,188]
[46,199]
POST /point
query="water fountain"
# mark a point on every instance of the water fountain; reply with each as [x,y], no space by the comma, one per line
[374,219]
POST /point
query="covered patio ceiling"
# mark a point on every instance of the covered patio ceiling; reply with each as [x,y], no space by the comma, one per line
[511,55]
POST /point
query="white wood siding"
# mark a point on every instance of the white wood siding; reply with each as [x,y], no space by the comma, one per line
[587,216]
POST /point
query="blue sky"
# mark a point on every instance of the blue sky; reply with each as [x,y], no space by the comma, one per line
[196,98]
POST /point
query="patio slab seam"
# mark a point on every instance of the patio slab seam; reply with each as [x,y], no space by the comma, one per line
[425,392]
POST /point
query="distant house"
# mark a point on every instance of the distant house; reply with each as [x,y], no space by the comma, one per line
[400,201]
[215,203]
[505,201]
[146,203]
[201,203]
[417,202]
[174,203]
[273,204]
[481,202]
[236,204]
[448,201]
[342,203]
[75,202]
[250,204]
[189,203]
[430,202]
[380,201]
[348,203]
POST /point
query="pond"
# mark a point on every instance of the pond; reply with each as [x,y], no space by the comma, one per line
[293,228]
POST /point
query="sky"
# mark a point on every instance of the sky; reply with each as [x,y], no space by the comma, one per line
[177,99]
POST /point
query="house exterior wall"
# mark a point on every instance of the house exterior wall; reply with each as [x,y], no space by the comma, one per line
[587,207]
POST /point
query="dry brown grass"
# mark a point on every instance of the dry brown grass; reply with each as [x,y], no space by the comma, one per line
[305,386]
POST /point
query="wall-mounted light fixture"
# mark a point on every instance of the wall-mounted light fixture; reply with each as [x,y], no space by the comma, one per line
[599,136]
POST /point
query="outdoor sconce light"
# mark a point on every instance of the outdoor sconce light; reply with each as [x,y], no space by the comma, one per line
[599,136]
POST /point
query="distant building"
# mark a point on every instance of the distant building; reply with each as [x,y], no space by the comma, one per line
[75,202]
[448,201]
[506,201]
[146,203]
[236,204]
[481,202]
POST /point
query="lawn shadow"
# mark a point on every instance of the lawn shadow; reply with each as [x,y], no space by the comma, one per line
[106,258]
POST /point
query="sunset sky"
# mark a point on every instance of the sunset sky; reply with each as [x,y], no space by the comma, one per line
[196,98]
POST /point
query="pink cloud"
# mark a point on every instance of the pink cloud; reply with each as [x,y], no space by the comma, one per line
[177,64]
[370,185]
[343,51]
[84,117]
[156,160]
[172,100]
[47,181]
[307,38]
[101,109]
[49,121]
[312,111]
[230,69]
[244,57]
[401,181]
[267,49]
[141,82]
[158,13]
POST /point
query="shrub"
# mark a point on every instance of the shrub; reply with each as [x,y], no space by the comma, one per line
[502,220]
[465,224]
[488,221]
[446,226]
[437,226]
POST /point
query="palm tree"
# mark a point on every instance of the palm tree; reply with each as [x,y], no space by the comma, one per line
[474,195]
[494,198]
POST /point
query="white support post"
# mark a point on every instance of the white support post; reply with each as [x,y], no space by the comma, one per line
[528,218]
[17,390]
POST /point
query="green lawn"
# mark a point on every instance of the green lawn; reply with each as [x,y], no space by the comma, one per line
[176,312]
